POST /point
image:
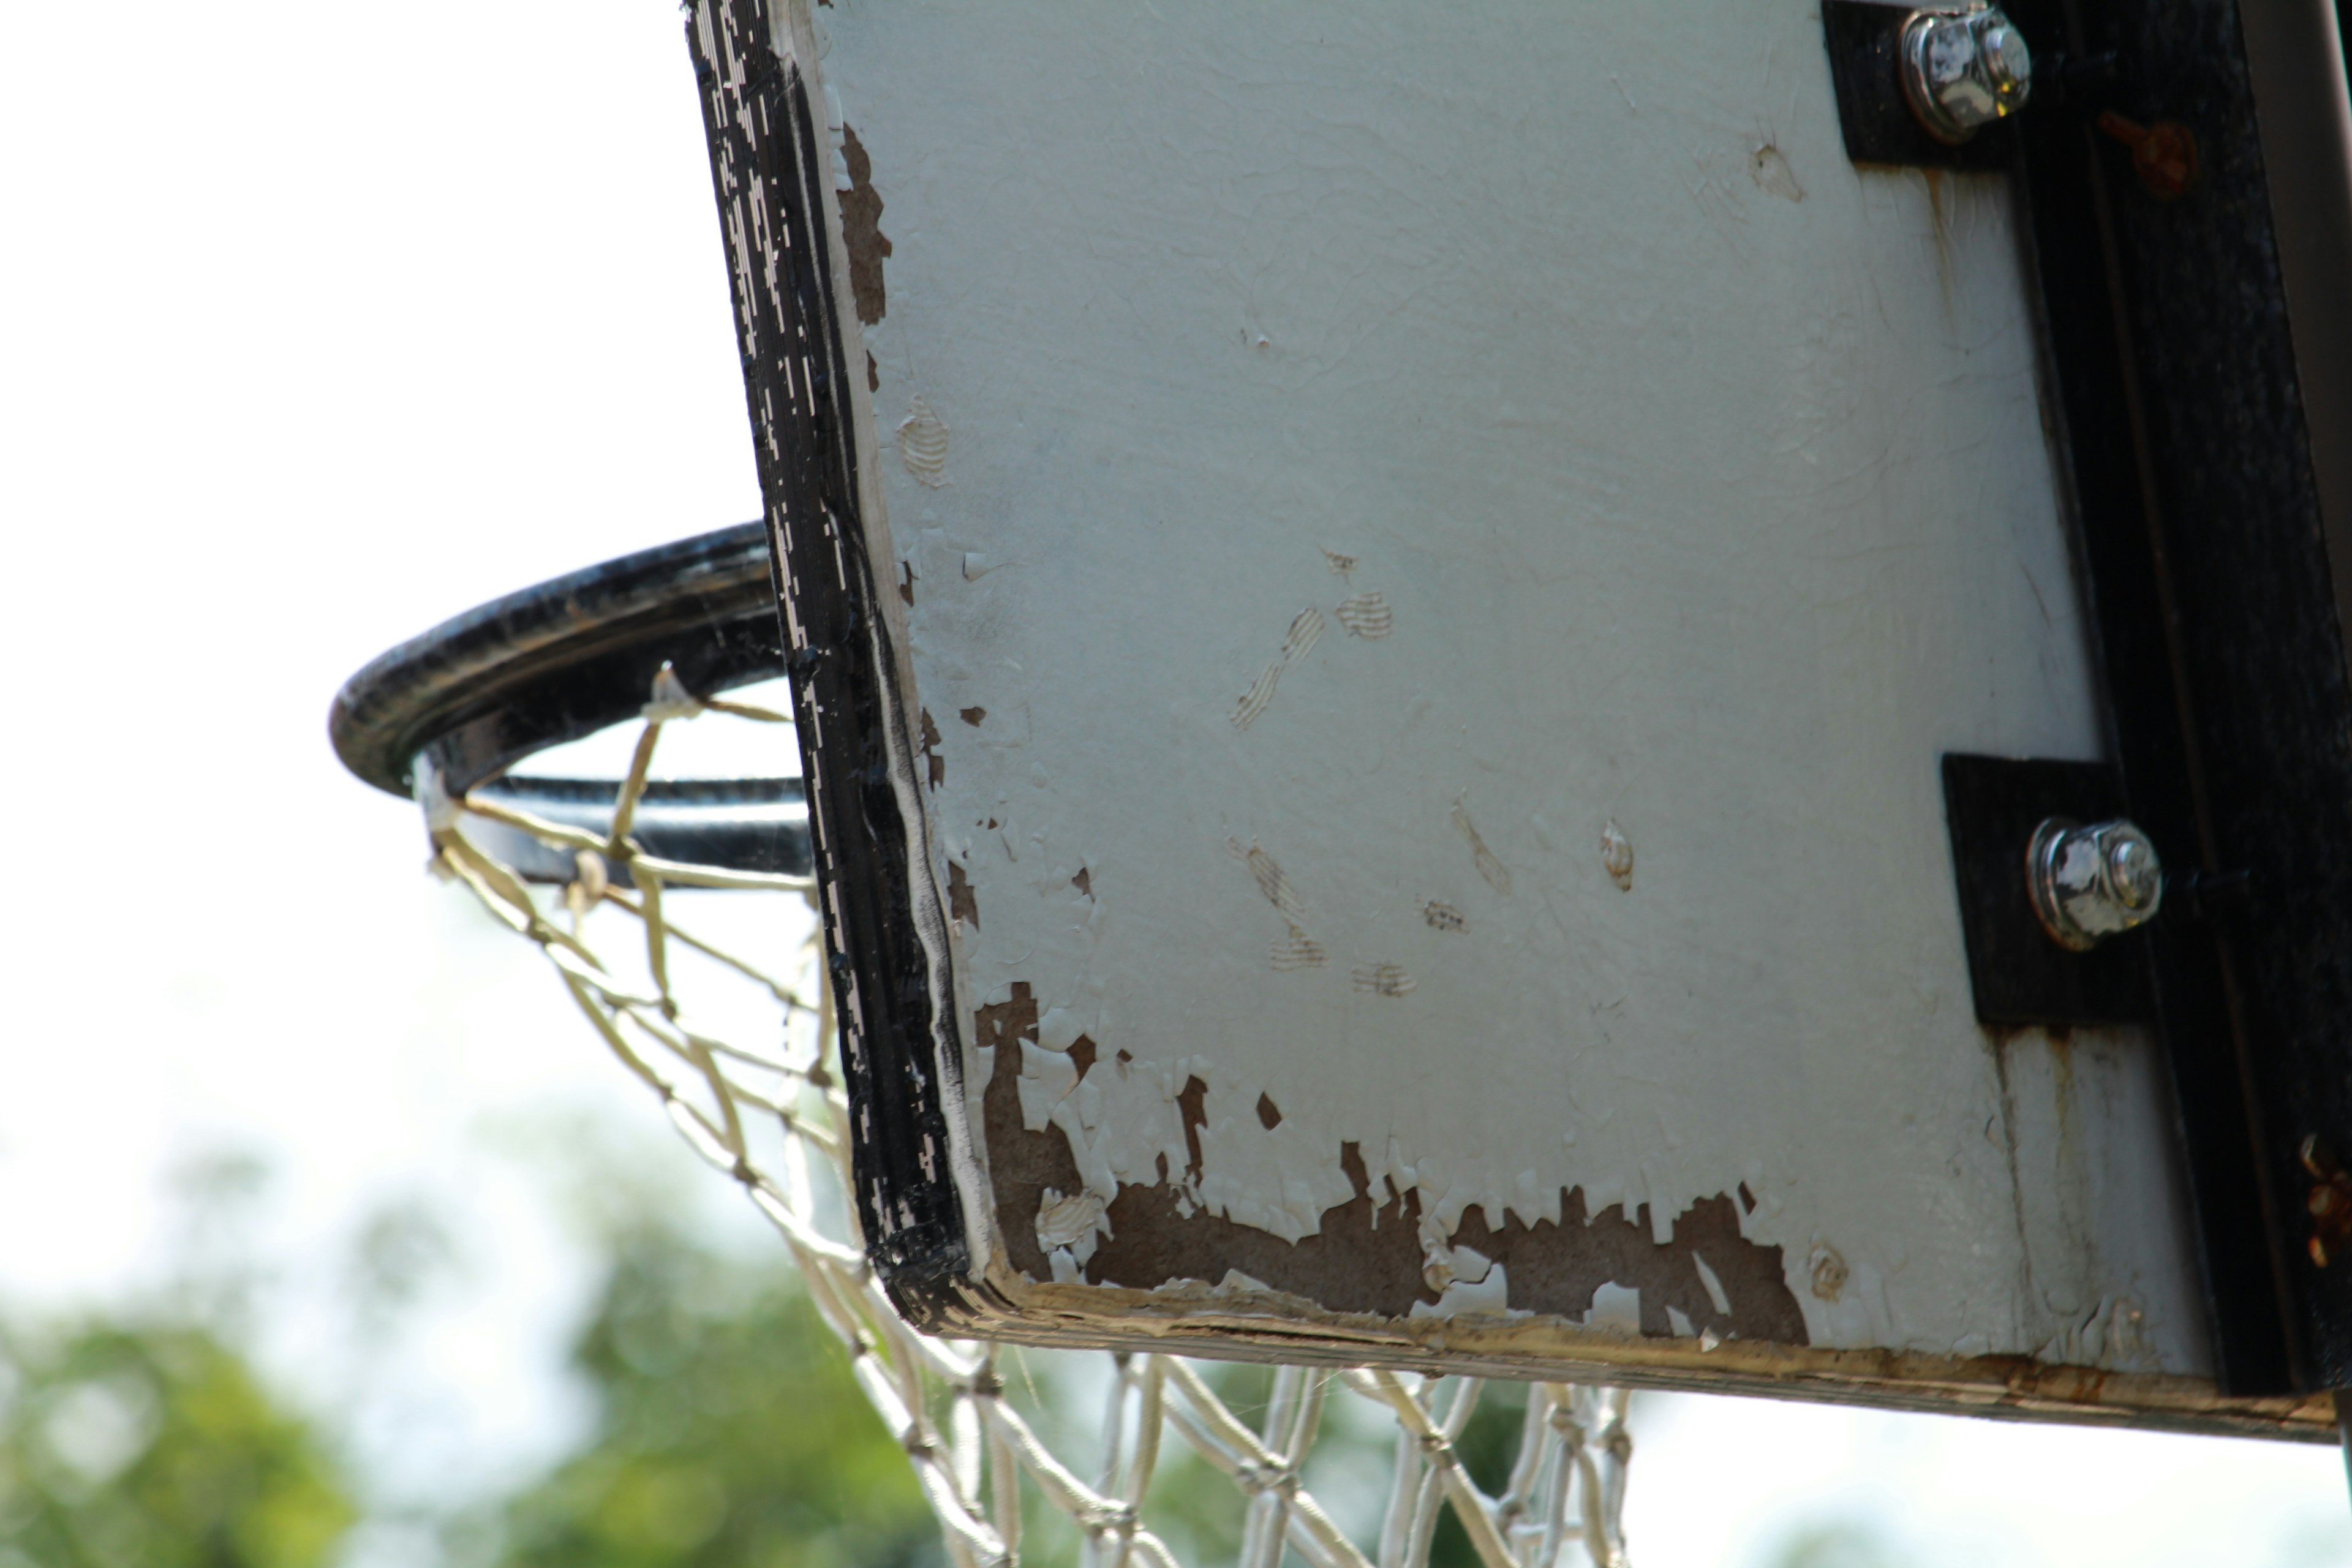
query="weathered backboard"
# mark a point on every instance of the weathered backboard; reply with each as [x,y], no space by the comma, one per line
[1379,596]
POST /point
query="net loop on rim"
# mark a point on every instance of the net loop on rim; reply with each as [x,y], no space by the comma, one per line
[768,1117]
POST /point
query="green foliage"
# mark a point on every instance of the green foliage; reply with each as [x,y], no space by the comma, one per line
[1837,1543]
[126,1446]
[731,1434]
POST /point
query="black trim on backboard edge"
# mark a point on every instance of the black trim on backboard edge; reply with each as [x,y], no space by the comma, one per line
[2175,383]
[769,165]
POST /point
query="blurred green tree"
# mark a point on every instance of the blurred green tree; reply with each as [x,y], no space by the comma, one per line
[1835,1542]
[124,1445]
[730,1432]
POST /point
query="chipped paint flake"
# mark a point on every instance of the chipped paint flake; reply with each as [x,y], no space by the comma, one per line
[1296,950]
[1496,874]
[923,448]
[1617,855]
[1616,1310]
[1712,1282]
[1271,879]
[1769,168]
[1067,1221]
[1366,615]
[1305,630]
[1827,1270]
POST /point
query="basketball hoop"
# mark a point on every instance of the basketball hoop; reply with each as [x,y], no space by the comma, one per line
[657,635]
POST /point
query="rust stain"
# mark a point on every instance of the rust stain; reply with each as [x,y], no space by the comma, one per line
[962,907]
[1366,1255]
[971,716]
[861,234]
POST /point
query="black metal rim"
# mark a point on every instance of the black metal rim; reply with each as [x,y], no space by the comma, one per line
[483,691]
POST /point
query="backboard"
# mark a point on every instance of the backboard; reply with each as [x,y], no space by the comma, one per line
[1384,608]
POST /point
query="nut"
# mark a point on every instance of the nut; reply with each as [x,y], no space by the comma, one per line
[2088,884]
[1962,71]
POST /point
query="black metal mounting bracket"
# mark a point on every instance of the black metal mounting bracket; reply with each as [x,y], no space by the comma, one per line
[1864,39]
[2020,977]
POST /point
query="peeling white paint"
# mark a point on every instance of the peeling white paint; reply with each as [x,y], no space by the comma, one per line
[1617,855]
[1069,1221]
[1719,515]
[923,446]
[1487,1295]
[1712,1282]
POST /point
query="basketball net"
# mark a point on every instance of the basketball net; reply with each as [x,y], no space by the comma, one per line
[769,1113]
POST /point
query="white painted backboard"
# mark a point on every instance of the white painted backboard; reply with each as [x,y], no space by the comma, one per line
[1439,551]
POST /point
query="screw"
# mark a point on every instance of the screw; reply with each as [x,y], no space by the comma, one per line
[1963,70]
[2164,155]
[2088,884]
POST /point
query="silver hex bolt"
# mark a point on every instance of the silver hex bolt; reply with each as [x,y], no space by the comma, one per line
[1962,70]
[2089,883]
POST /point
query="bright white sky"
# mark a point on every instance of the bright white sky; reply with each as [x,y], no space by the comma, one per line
[318,324]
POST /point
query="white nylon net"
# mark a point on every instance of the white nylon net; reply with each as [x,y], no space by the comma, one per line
[765,1107]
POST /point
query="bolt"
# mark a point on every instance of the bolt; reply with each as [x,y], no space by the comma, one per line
[2133,870]
[1963,70]
[2088,884]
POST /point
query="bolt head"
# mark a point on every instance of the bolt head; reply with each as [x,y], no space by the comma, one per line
[2134,873]
[2089,883]
[1962,71]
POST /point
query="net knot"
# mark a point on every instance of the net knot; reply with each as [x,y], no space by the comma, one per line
[1256,1478]
[671,699]
[1109,1519]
